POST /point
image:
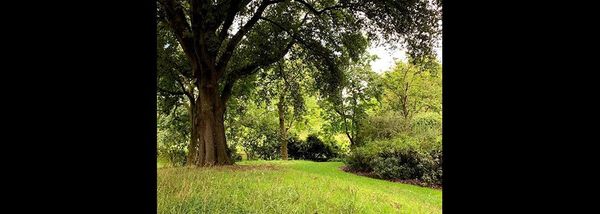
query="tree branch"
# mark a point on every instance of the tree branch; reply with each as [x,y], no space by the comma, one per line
[187,93]
[233,9]
[175,18]
[292,34]
[229,83]
[249,70]
[235,40]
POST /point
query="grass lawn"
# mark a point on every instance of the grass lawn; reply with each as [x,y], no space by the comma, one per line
[287,187]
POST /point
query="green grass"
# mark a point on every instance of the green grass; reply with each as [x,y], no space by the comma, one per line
[287,187]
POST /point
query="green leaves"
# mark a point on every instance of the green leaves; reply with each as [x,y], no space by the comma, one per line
[411,89]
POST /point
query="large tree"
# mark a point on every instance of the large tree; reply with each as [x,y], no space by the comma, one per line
[225,41]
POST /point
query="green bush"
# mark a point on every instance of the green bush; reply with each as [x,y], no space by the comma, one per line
[382,126]
[427,128]
[173,137]
[234,154]
[312,149]
[172,147]
[175,155]
[401,158]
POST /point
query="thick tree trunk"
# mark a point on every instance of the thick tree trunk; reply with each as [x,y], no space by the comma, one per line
[282,130]
[212,145]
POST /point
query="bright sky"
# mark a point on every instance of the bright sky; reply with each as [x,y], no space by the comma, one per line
[387,56]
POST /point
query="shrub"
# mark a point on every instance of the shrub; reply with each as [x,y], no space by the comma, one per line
[172,147]
[172,136]
[234,154]
[260,140]
[427,127]
[381,127]
[400,158]
[312,149]
[175,155]
[295,148]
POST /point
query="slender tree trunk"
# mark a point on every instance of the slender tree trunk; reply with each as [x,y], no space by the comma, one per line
[282,130]
[212,145]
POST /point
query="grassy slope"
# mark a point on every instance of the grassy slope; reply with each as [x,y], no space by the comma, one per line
[287,187]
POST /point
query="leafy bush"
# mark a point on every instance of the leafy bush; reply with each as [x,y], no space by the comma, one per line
[427,128]
[263,146]
[382,126]
[312,149]
[174,155]
[429,121]
[233,153]
[295,148]
[401,158]
[172,137]
[258,137]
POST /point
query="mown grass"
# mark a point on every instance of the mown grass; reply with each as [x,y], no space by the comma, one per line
[287,187]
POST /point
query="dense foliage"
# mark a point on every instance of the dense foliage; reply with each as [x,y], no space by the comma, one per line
[403,134]
[172,137]
[401,158]
[313,149]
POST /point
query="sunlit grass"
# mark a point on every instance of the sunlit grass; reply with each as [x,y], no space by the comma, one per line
[287,187]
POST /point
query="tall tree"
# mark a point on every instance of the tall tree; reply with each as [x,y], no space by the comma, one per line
[360,91]
[287,82]
[225,41]
[411,89]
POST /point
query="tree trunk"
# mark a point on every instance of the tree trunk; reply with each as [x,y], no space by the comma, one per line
[282,130]
[212,145]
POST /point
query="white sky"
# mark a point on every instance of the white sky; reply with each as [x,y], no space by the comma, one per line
[388,56]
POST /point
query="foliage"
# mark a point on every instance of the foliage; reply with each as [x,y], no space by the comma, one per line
[287,187]
[234,154]
[412,89]
[400,158]
[403,134]
[285,82]
[427,127]
[172,136]
[358,94]
[171,64]
[261,139]
[253,128]
[381,126]
[312,149]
